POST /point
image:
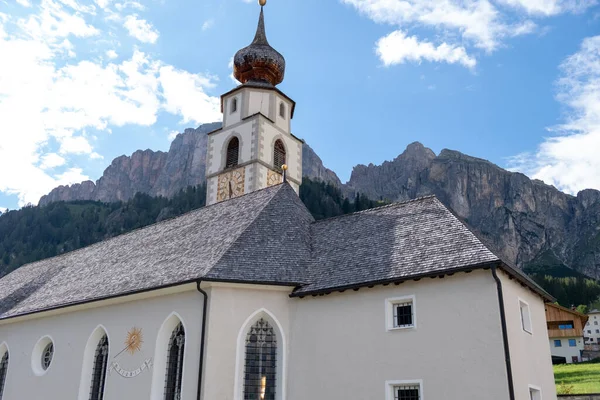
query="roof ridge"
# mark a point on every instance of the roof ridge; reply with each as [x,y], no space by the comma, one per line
[164,221]
[395,204]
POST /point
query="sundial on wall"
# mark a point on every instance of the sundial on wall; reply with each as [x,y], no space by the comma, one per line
[133,345]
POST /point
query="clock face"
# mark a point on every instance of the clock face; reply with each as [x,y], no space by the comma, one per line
[231,184]
[274,178]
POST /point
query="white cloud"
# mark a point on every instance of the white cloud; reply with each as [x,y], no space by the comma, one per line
[51,160]
[24,3]
[184,95]
[397,48]
[172,135]
[111,54]
[65,103]
[140,29]
[131,4]
[549,7]
[461,24]
[569,158]
[208,24]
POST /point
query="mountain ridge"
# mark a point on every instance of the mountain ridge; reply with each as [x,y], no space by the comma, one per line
[525,221]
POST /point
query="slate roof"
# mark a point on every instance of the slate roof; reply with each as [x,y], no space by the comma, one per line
[266,237]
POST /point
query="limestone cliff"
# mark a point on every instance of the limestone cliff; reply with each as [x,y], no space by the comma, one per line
[525,221]
[163,174]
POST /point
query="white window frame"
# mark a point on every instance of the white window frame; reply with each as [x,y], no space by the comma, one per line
[389,387]
[521,317]
[537,389]
[389,312]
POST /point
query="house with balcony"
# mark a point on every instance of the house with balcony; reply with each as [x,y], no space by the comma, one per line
[565,333]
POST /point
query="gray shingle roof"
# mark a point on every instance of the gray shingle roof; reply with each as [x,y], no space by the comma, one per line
[267,237]
[418,237]
[186,248]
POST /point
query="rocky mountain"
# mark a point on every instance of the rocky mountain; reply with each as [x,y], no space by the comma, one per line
[527,222]
[164,174]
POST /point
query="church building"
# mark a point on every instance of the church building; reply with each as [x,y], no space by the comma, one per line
[250,298]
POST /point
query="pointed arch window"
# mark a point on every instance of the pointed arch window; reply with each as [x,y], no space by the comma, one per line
[233,152]
[260,367]
[282,110]
[175,364]
[278,154]
[3,371]
[99,371]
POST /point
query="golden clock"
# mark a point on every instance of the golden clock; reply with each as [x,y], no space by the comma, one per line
[274,178]
[231,184]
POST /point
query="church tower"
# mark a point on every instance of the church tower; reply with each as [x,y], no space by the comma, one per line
[255,146]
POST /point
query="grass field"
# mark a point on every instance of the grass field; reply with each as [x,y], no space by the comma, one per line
[577,378]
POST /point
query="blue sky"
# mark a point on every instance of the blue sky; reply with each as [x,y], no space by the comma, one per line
[513,81]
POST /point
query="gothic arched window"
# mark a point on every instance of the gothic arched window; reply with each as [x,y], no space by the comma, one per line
[233,105]
[282,110]
[175,364]
[233,152]
[260,367]
[3,371]
[99,370]
[278,154]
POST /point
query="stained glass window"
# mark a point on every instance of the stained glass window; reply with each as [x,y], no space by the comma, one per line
[99,371]
[175,364]
[260,368]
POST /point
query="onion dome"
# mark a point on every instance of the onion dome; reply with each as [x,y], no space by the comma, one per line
[259,62]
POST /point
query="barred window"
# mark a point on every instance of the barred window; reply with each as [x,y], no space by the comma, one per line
[278,154]
[175,364]
[99,370]
[260,368]
[233,151]
[282,110]
[233,105]
[47,355]
[403,315]
[3,371]
[407,392]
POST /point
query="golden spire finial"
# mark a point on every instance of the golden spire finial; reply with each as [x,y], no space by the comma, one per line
[262,2]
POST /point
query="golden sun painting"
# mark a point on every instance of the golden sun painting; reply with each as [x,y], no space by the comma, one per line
[134,340]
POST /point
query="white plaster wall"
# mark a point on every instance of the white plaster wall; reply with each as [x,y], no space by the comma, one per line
[530,354]
[565,350]
[230,118]
[283,123]
[217,146]
[293,148]
[259,102]
[593,326]
[340,348]
[70,332]
[230,306]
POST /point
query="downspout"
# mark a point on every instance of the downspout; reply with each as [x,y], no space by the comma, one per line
[511,387]
[202,335]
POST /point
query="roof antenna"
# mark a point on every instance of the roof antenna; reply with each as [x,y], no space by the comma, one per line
[284,167]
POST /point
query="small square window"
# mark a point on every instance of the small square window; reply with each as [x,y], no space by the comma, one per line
[525,316]
[400,313]
[535,393]
[404,390]
[595,322]
[557,343]
[597,331]
[572,342]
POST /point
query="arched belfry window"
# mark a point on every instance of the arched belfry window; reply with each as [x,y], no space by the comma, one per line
[278,154]
[3,371]
[233,105]
[175,364]
[260,367]
[233,152]
[282,110]
[99,371]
